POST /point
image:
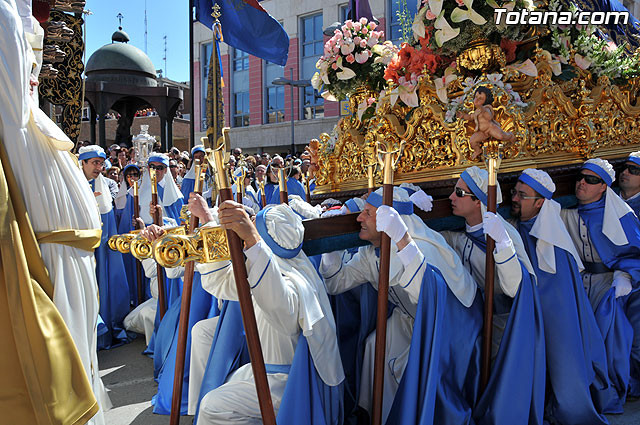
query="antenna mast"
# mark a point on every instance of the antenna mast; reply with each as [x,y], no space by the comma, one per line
[145,26]
[165,56]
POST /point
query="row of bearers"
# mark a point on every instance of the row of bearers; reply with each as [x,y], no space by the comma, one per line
[573,370]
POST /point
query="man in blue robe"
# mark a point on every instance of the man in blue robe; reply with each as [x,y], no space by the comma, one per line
[576,357]
[169,198]
[516,388]
[606,233]
[415,250]
[188,182]
[629,182]
[112,279]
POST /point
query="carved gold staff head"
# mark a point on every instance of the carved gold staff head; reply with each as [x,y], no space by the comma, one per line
[492,152]
[154,182]
[387,161]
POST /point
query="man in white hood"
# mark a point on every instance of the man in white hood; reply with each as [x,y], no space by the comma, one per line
[289,300]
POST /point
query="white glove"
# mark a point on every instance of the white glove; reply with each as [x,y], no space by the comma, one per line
[389,221]
[622,283]
[330,263]
[333,212]
[493,226]
[421,200]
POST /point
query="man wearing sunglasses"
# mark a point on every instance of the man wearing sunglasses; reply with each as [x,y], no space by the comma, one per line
[518,372]
[420,258]
[571,332]
[629,182]
[606,234]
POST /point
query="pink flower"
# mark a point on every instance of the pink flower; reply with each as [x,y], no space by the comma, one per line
[363,21]
[372,25]
[350,58]
[429,15]
[357,26]
[453,64]
[371,101]
[348,24]
[361,57]
[460,3]
[336,48]
[356,40]
[334,66]
[363,43]
[364,30]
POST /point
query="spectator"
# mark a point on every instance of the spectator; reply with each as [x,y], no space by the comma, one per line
[113,173]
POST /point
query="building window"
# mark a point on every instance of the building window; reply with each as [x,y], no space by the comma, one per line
[240,60]
[344,12]
[240,88]
[395,29]
[312,47]
[274,95]
[205,58]
[241,109]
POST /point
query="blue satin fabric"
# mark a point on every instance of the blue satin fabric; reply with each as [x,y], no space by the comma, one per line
[186,187]
[355,314]
[441,381]
[625,258]
[576,357]
[618,335]
[203,306]
[634,204]
[616,257]
[516,388]
[272,191]
[306,399]
[113,288]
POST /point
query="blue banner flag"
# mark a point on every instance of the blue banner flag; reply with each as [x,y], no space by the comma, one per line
[248,27]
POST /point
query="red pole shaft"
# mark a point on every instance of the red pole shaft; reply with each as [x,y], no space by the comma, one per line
[487,329]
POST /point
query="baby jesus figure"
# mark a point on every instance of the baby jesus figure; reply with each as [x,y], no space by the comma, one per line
[486,126]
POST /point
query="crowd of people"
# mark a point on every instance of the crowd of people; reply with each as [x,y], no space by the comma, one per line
[565,288]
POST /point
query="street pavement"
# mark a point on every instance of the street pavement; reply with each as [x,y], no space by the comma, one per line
[128,375]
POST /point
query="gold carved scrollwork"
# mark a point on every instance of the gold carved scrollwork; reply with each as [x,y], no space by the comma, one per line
[67,89]
[564,122]
[206,245]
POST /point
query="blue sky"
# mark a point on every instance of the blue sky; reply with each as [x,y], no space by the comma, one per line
[164,17]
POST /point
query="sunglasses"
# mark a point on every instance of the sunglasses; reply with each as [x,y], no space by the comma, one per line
[589,179]
[522,195]
[633,169]
[461,193]
[157,167]
[133,174]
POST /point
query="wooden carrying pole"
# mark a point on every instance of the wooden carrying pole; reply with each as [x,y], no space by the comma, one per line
[246,304]
[136,214]
[157,219]
[282,182]
[383,297]
[307,190]
[487,329]
[185,307]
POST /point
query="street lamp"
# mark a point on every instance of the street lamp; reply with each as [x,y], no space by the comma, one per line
[281,81]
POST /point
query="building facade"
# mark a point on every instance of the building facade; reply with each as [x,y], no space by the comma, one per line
[259,112]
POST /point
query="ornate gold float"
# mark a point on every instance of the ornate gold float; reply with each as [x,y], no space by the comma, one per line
[563,123]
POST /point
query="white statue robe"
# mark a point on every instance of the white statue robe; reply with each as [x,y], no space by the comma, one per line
[57,197]
[404,292]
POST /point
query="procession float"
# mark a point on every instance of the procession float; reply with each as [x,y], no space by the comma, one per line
[562,92]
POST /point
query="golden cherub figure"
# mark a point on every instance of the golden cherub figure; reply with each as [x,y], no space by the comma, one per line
[486,126]
[312,153]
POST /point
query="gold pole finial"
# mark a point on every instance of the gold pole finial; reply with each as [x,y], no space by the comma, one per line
[492,152]
[216,12]
[388,162]
[154,183]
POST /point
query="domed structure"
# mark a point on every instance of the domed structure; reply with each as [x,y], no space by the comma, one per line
[121,77]
[121,63]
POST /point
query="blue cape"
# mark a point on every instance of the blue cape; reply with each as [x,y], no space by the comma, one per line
[625,257]
[440,382]
[186,187]
[272,191]
[576,357]
[306,399]
[516,388]
[113,287]
[203,306]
